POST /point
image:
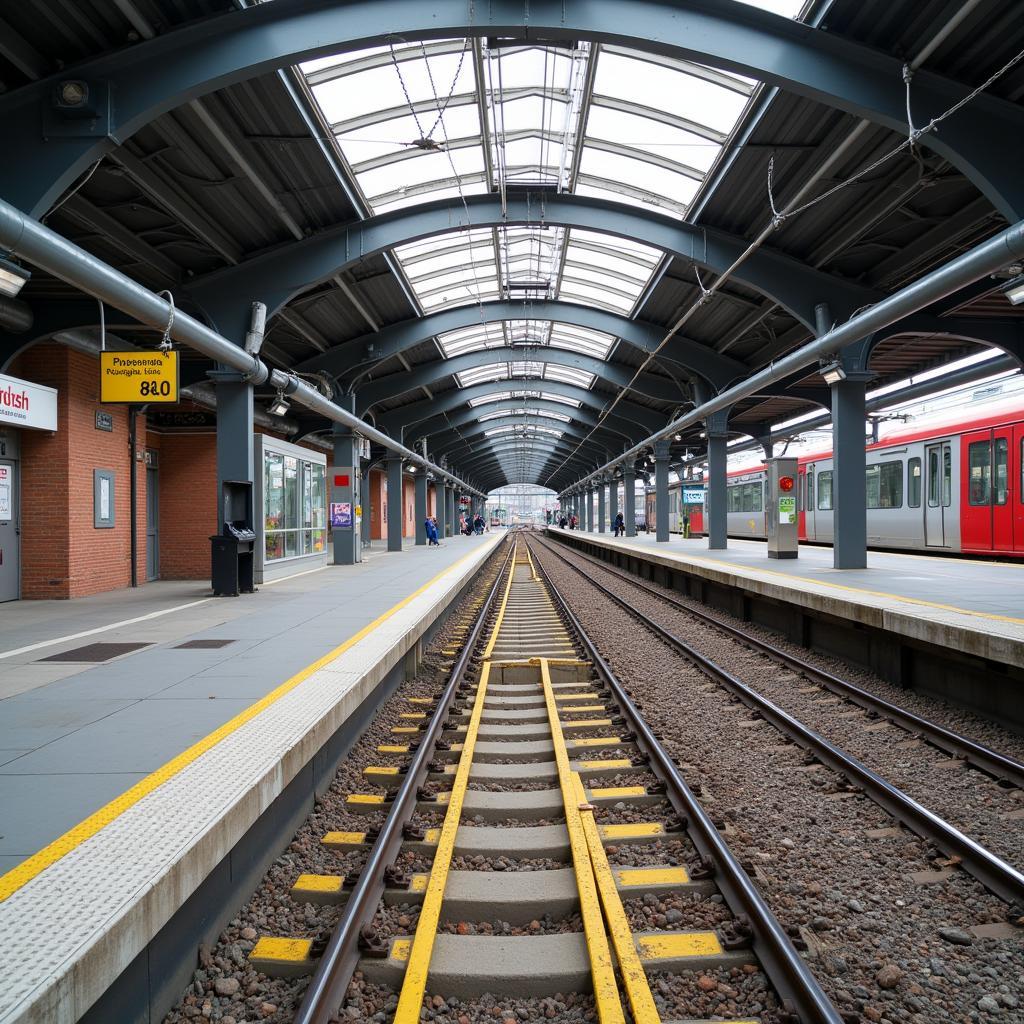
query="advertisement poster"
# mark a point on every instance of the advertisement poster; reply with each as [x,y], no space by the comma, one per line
[6,488]
[341,515]
[787,510]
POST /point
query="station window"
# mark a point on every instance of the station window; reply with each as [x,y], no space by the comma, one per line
[979,470]
[1001,477]
[914,483]
[294,506]
[884,485]
[825,490]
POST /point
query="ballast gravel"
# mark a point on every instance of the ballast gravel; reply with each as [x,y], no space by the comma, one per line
[885,941]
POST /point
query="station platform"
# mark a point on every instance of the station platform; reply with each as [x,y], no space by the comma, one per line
[910,604]
[129,773]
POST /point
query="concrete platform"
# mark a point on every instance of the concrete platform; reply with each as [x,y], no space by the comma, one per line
[125,786]
[966,614]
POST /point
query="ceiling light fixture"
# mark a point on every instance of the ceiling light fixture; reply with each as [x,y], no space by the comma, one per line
[279,406]
[832,373]
[12,277]
[1014,291]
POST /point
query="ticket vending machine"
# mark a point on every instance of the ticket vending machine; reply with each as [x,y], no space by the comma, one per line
[781,508]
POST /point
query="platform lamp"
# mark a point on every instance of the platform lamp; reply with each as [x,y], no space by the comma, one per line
[1014,290]
[12,277]
[832,373]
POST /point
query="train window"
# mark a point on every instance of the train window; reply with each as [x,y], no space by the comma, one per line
[1000,477]
[810,490]
[933,479]
[979,468]
[914,483]
[947,477]
[885,485]
[825,490]
[758,489]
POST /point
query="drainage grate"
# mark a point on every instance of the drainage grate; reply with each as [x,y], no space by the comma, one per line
[96,652]
[203,645]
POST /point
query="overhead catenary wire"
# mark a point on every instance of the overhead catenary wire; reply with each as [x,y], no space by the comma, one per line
[792,209]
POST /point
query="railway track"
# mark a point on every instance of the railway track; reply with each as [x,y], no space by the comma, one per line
[534,750]
[1000,877]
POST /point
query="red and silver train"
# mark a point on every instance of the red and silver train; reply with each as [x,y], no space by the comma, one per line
[953,485]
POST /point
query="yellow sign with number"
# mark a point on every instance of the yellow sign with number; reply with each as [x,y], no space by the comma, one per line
[139,377]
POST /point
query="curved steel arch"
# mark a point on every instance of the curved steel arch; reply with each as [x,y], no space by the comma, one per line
[452,439]
[153,77]
[617,424]
[471,462]
[348,357]
[279,274]
[405,417]
[425,374]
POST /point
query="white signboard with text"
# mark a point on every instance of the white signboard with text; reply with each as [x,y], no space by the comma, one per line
[24,404]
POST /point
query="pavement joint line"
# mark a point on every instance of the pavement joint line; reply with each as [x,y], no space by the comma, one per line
[410,1000]
[23,873]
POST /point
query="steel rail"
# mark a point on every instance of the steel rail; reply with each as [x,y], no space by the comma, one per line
[789,974]
[1000,878]
[999,766]
[330,980]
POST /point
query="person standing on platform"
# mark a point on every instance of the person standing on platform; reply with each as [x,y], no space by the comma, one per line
[620,525]
[431,529]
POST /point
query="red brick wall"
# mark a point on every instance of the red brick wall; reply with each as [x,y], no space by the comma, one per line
[188,505]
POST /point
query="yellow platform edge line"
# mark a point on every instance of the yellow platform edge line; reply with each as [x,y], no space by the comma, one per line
[19,876]
[634,978]
[606,990]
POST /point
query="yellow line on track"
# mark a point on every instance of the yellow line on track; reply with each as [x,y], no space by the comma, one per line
[606,990]
[28,869]
[410,1000]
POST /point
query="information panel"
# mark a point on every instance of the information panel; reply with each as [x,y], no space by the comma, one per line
[139,377]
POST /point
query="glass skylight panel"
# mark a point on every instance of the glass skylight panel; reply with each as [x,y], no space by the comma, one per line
[581,339]
[471,339]
[568,375]
[504,396]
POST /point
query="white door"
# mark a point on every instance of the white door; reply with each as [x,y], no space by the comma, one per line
[10,532]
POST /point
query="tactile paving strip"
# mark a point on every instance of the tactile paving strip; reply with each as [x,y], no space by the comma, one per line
[67,933]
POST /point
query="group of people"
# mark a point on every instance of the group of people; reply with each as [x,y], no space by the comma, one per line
[573,523]
[468,525]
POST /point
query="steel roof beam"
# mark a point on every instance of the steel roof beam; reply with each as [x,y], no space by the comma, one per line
[281,273]
[160,74]
[395,384]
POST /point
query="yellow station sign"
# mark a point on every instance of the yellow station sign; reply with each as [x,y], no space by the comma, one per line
[139,376]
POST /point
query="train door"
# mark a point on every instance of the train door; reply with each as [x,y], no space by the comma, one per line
[801,505]
[986,507]
[939,490]
[1017,486]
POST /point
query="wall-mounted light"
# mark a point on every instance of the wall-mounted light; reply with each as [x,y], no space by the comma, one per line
[1014,291]
[832,373]
[12,277]
[279,406]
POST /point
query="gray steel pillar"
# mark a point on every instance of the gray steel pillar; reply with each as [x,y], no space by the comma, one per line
[718,498]
[613,500]
[420,511]
[234,436]
[849,490]
[366,524]
[344,488]
[589,510]
[600,508]
[661,452]
[454,511]
[629,499]
[394,463]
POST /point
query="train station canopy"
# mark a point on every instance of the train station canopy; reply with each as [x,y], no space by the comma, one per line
[526,234]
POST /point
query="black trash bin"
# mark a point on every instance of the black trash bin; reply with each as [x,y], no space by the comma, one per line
[232,551]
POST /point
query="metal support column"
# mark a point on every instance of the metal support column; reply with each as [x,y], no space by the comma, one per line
[661,453]
[394,464]
[613,500]
[849,490]
[364,488]
[234,435]
[600,507]
[344,488]
[589,510]
[718,524]
[420,511]
[454,498]
[629,498]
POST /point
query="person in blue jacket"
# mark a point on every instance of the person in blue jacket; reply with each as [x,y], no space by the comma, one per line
[431,528]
